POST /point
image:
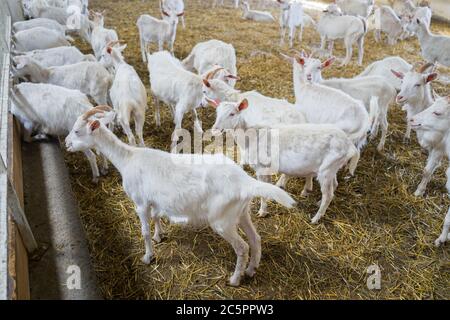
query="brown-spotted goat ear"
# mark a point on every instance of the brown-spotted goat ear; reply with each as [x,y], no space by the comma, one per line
[300,60]
[206,83]
[234,77]
[94,125]
[243,105]
[328,62]
[431,77]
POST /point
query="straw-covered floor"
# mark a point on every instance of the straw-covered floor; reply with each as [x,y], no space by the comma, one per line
[374,218]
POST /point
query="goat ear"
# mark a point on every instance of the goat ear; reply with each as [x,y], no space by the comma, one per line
[212,103]
[300,60]
[122,48]
[328,62]
[398,74]
[233,77]
[94,125]
[287,58]
[243,105]
[431,77]
[206,83]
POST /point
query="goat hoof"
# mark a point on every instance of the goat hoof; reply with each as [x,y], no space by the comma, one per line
[305,193]
[147,259]
[439,242]
[104,171]
[250,272]
[315,220]
[157,238]
[262,214]
[419,193]
[235,281]
[95,180]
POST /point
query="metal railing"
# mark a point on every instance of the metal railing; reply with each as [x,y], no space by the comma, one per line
[10,207]
[5,32]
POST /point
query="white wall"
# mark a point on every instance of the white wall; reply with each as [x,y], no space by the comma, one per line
[441,8]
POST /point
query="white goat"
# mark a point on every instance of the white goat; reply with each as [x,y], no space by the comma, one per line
[376,94]
[180,89]
[100,36]
[385,20]
[39,22]
[324,105]
[60,56]
[128,93]
[46,109]
[415,92]
[327,148]
[207,56]
[433,124]
[217,192]
[39,38]
[160,31]
[291,17]
[435,48]
[91,78]
[266,112]
[41,9]
[255,15]
[333,25]
[176,6]
[362,8]
[416,96]
[383,68]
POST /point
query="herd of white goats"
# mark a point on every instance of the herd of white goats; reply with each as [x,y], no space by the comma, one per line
[323,132]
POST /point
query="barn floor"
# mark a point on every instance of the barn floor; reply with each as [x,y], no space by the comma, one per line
[374,218]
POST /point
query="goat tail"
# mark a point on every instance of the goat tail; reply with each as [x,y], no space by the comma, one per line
[354,155]
[188,62]
[374,117]
[364,22]
[70,39]
[269,191]
[367,71]
[359,138]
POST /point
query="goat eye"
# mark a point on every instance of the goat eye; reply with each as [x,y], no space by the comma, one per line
[418,85]
[232,114]
[437,113]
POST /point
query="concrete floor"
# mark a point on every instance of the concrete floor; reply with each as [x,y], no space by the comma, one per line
[53,214]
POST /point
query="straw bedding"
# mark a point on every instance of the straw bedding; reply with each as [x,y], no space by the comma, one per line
[374,218]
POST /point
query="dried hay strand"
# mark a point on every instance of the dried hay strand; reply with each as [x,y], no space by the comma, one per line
[374,218]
